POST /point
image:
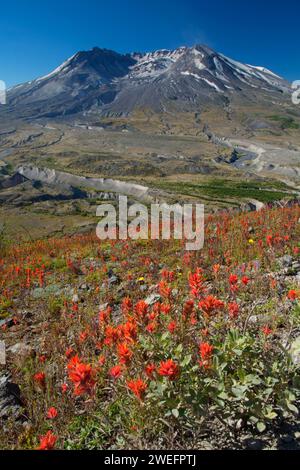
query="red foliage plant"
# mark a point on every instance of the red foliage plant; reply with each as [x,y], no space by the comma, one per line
[169,369]
[82,376]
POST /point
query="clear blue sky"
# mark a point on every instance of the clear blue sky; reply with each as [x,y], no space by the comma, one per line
[37,35]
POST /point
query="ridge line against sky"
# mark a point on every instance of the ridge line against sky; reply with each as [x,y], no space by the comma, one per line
[36,37]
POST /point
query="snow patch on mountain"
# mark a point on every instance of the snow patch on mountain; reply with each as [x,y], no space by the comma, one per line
[199,64]
[190,74]
[264,70]
[212,84]
[155,63]
[59,69]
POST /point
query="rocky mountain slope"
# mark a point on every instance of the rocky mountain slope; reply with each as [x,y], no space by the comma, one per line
[185,79]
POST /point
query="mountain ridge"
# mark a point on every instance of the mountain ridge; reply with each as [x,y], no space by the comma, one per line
[105,81]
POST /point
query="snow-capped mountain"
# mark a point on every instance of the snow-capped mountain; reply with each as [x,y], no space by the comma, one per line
[111,83]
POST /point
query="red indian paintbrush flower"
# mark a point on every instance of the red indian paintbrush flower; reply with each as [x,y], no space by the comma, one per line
[124,353]
[82,375]
[165,309]
[188,309]
[168,275]
[141,309]
[196,282]
[40,379]
[153,315]
[267,330]
[245,280]
[126,306]
[233,279]
[28,277]
[293,295]
[172,326]
[104,315]
[205,351]
[111,335]
[101,360]
[151,327]
[150,369]
[41,276]
[216,268]
[269,240]
[69,352]
[233,309]
[116,372]
[210,305]
[138,387]
[83,336]
[169,369]
[164,289]
[52,413]
[48,441]
[129,331]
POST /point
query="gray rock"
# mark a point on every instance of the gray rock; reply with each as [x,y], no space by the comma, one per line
[260,319]
[7,322]
[254,444]
[206,445]
[286,261]
[296,265]
[153,299]
[10,398]
[116,315]
[295,351]
[20,349]
[113,280]
[44,292]
[103,307]
[287,439]
[26,314]
[84,287]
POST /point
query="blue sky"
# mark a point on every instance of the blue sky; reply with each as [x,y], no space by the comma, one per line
[37,35]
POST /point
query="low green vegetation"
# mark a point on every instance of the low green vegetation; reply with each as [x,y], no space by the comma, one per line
[6,170]
[285,122]
[218,189]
